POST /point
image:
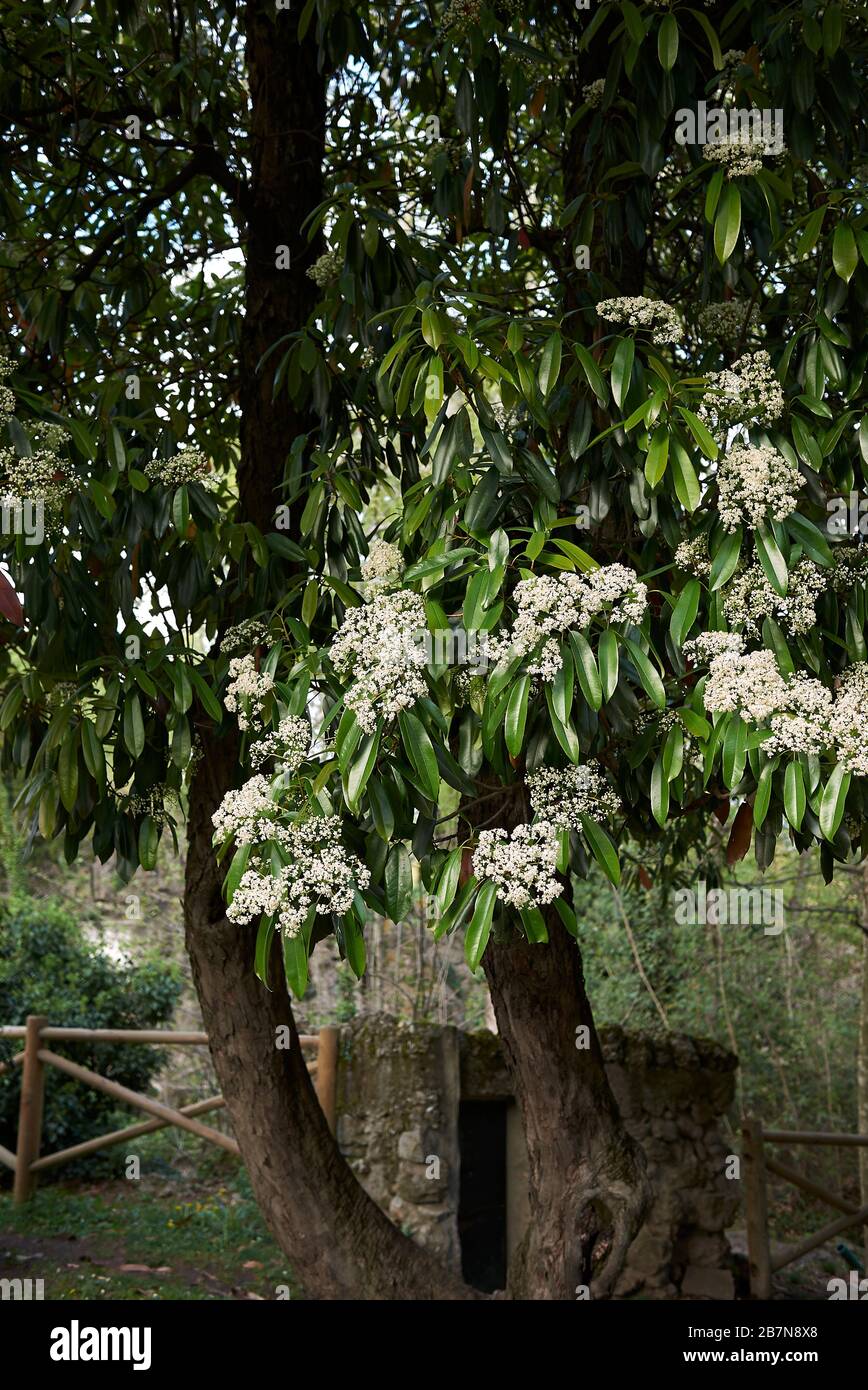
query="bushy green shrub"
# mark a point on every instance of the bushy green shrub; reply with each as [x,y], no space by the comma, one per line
[47,966]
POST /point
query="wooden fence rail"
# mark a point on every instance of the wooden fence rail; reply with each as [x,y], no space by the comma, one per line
[27,1162]
[757,1164]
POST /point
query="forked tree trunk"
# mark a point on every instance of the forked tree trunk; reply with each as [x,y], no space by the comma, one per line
[587,1184]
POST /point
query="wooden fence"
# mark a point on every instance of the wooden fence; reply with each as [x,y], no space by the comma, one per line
[757,1164]
[27,1162]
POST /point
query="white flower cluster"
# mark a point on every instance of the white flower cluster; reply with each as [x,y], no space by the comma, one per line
[593,93]
[746,393]
[747,683]
[288,743]
[7,395]
[461,16]
[750,597]
[693,557]
[741,152]
[383,566]
[561,796]
[850,567]
[246,815]
[549,605]
[850,719]
[247,690]
[42,477]
[378,644]
[189,465]
[326,269]
[639,312]
[707,645]
[521,865]
[755,481]
[160,802]
[243,636]
[322,877]
[728,321]
[804,717]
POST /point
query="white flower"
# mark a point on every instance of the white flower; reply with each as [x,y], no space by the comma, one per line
[750,597]
[802,726]
[707,645]
[246,815]
[289,743]
[550,605]
[755,481]
[326,268]
[639,312]
[741,152]
[747,683]
[245,635]
[728,321]
[521,865]
[561,796]
[593,93]
[849,720]
[189,465]
[693,557]
[247,690]
[383,566]
[322,877]
[380,645]
[746,393]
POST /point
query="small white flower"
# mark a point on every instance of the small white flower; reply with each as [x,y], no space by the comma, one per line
[755,481]
[639,312]
[561,796]
[378,647]
[521,865]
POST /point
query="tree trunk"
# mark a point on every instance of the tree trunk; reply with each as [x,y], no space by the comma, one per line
[587,1185]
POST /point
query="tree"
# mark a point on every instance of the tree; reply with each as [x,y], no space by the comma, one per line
[557,294]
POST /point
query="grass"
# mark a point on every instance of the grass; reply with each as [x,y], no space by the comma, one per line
[189,1222]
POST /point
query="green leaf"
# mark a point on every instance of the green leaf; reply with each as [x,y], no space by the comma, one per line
[773,563]
[727,223]
[667,43]
[687,488]
[360,769]
[447,880]
[586,669]
[262,954]
[295,960]
[516,715]
[685,611]
[712,194]
[657,456]
[700,433]
[659,791]
[420,751]
[594,376]
[602,849]
[724,562]
[133,726]
[67,769]
[551,364]
[648,674]
[763,794]
[607,653]
[845,255]
[149,842]
[398,882]
[479,927]
[534,925]
[833,801]
[354,945]
[622,369]
[794,794]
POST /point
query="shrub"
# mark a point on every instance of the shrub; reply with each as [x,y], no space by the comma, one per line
[47,966]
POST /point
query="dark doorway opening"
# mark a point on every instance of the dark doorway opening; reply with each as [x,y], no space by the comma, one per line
[482,1199]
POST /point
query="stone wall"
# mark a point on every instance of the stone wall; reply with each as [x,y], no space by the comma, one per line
[399,1088]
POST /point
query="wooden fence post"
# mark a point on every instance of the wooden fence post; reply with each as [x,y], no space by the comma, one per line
[327,1074]
[30,1109]
[756,1209]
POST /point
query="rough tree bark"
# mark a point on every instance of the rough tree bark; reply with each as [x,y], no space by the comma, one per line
[587,1184]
